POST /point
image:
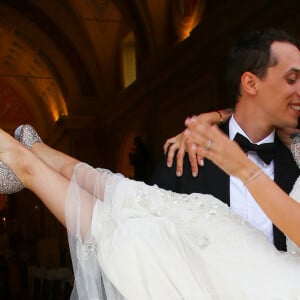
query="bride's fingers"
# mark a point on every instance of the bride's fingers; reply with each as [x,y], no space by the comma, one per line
[216,146]
[209,141]
[167,144]
[200,134]
[223,152]
[195,137]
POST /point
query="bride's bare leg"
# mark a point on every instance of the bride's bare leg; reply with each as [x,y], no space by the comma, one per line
[50,186]
[59,161]
[65,164]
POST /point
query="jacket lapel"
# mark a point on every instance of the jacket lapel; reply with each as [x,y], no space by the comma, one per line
[285,168]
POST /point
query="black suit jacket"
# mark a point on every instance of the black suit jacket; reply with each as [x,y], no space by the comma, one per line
[212,180]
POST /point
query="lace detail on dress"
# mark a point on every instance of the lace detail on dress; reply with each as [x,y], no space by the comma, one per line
[87,248]
[182,209]
[295,194]
[295,148]
[161,201]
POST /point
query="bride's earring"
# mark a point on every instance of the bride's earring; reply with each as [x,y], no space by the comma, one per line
[295,147]
[27,135]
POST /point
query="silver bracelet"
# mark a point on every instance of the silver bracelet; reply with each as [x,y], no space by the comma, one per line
[253,176]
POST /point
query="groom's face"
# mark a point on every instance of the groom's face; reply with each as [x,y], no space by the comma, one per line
[279,90]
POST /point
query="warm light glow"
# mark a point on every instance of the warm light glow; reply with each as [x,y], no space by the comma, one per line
[54,100]
[58,109]
[186,16]
[186,30]
[128,57]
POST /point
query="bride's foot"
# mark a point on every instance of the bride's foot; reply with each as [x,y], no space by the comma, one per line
[18,165]
[27,135]
[9,182]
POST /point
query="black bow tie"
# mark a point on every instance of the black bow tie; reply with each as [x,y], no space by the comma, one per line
[264,151]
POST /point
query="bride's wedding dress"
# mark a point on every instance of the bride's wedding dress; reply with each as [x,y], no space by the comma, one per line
[133,241]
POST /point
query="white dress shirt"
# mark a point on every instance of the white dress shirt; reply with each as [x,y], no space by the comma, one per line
[241,201]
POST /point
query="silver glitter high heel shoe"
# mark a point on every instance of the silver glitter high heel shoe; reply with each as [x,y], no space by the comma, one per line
[9,182]
[295,147]
[27,135]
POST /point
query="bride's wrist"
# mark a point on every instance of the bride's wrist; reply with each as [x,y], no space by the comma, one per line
[253,176]
[248,175]
[224,115]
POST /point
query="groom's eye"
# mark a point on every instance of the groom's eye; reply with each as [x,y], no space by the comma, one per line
[291,81]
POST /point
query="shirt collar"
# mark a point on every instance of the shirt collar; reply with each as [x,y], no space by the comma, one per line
[234,128]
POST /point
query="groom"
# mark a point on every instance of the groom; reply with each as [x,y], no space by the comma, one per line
[263,76]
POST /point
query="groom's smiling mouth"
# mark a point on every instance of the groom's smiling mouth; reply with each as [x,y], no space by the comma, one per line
[295,107]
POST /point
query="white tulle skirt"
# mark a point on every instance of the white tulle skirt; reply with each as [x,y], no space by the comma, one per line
[133,241]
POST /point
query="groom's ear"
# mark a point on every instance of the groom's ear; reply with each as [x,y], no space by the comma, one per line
[249,83]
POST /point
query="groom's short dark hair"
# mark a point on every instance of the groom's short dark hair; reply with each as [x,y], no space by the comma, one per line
[252,53]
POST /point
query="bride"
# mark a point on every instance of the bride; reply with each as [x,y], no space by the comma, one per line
[129,240]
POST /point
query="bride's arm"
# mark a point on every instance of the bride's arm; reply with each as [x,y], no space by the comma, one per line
[280,208]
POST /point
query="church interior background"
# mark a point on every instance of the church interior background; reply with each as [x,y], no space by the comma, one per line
[106,81]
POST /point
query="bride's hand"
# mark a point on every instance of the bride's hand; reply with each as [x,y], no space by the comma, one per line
[180,144]
[214,145]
